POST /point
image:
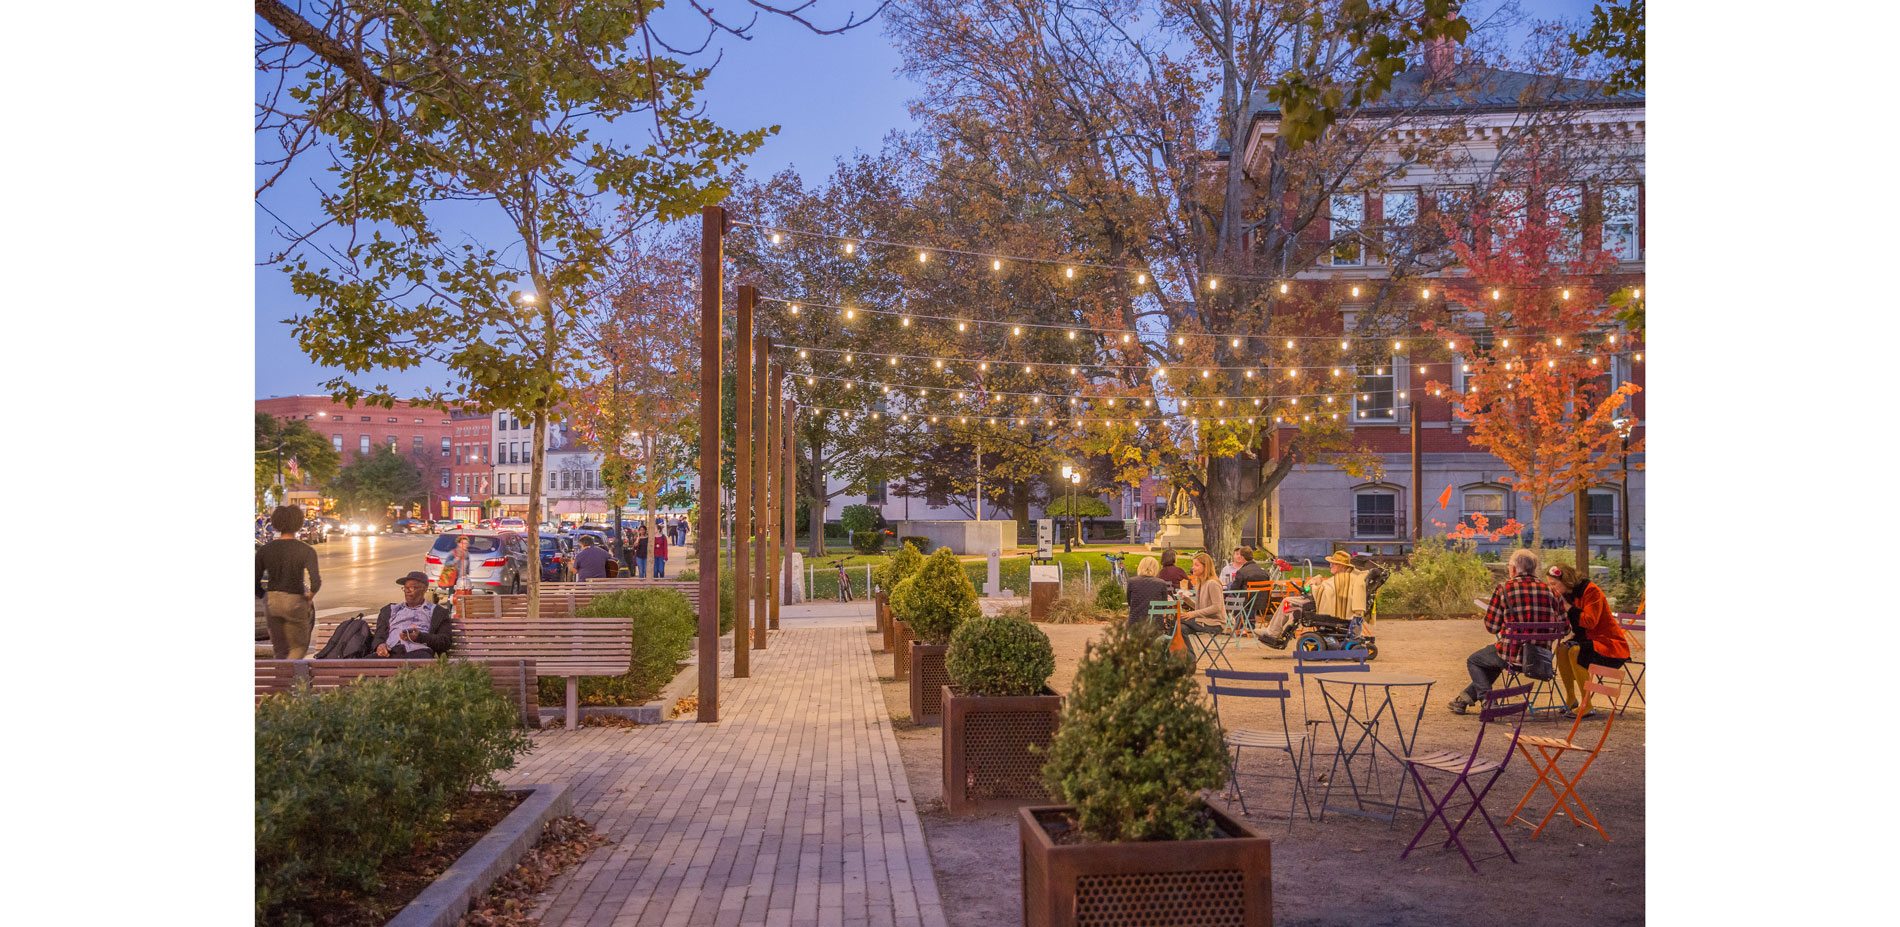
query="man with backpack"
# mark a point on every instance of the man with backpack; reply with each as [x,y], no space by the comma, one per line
[413,628]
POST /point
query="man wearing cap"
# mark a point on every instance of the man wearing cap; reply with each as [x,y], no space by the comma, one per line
[413,628]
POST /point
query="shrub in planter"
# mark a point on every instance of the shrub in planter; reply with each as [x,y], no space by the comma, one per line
[662,624]
[998,714]
[351,777]
[1000,656]
[1111,597]
[1137,743]
[901,565]
[1440,581]
[936,598]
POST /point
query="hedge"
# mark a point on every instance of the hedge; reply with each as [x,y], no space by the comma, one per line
[662,624]
[351,777]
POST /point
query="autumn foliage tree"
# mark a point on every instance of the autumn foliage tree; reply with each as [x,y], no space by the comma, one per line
[635,399]
[1541,335]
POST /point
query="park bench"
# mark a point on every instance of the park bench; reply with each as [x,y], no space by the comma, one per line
[514,677]
[559,644]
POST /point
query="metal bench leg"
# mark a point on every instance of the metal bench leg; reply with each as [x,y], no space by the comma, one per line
[573,703]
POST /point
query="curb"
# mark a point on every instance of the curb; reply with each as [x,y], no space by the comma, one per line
[452,893]
[641,714]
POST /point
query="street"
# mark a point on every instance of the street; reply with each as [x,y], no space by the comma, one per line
[361,572]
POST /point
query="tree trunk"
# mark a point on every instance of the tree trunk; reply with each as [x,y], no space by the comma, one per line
[534,505]
[1537,526]
[815,501]
[1019,502]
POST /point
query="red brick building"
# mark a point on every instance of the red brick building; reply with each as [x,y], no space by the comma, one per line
[471,467]
[422,434]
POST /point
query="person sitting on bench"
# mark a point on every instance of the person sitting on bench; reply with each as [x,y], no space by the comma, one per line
[413,628]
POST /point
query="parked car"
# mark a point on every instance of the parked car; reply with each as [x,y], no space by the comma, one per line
[498,560]
[332,527]
[557,557]
[409,526]
[517,525]
[445,524]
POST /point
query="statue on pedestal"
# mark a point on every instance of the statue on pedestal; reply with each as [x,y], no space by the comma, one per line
[1181,526]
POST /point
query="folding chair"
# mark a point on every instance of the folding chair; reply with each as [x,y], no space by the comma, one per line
[1464,768]
[1553,749]
[1313,662]
[1205,647]
[1237,739]
[1633,623]
[1543,634]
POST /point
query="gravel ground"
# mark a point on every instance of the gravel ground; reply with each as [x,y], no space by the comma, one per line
[1346,870]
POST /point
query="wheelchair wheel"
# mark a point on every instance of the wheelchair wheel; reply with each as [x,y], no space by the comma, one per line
[1309,642]
[1370,647]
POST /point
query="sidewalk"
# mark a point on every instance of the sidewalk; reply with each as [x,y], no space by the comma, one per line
[793,810]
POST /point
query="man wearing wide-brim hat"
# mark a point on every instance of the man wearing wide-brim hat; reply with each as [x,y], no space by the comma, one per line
[1343,594]
[413,628]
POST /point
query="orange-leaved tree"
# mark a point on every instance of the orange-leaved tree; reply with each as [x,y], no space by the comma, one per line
[634,399]
[1538,340]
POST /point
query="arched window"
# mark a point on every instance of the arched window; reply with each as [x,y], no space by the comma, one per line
[1376,513]
[1486,506]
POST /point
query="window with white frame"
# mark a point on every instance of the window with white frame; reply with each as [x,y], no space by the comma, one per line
[1602,513]
[1401,219]
[1375,397]
[445,477]
[445,447]
[1619,222]
[336,441]
[1484,507]
[362,446]
[1476,345]
[1375,513]
[1348,214]
[1564,206]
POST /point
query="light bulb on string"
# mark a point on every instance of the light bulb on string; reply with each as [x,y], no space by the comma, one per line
[906,321]
[776,238]
[996,265]
[1289,343]
[893,361]
[1355,292]
[961,326]
[847,358]
[1206,373]
[1637,293]
[1249,374]
[794,308]
[1395,346]
[1425,293]
[809,381]
[1496,295]
[1074,370]
[1256,402]
[1235,343]
[1025,368]
[1071,334]
[1560,342]
[923,257]
[939,363]
[1283,289]
[1070,273]
[850,247]
[983,366]
[1016,330]
[1125,339]
[1179,340]
[1141,279]
[1452,345]
[1213,284]
[1507,342]
[1566,294]
[802,354]
[1639,357]
[851,313]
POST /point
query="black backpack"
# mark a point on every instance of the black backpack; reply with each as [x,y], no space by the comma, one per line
[1376,576]
[350,641]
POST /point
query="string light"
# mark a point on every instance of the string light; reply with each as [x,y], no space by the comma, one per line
[1425,293]
[893,361]
[850,313]
[1560,342]
[1566,294]
[983,366]
[1141,279]
[1289,343]
[1453,345]
[961,326]
[906,321]
[1125,339]
[1282,289]
[923,257]
[1071,334]
[775,238]
[1017,330]
[802,354]
[996,265]
[1249,374]
[1636,293]
[850,247]
[1236,343]
[1213,284]
[1070,273]
[847,358]
[1355,292]
[1495,296]
[794,308]
[1074,370]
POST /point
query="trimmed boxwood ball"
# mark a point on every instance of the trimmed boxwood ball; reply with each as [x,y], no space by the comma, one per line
[901,565]
[936,598]
[1000,656]
[1136,744]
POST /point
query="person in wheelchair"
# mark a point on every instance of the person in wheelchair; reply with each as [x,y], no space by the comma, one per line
[1337,601]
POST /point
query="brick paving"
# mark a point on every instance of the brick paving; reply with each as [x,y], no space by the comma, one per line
[793,810]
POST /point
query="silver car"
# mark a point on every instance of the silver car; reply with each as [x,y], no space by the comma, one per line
[498,560]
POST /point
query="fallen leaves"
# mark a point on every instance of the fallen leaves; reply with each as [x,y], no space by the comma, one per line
[564,843]
[688,704]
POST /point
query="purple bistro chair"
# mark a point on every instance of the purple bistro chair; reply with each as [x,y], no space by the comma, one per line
[1464,768]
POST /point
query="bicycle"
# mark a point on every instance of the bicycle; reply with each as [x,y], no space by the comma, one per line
[844,582]
[1115,570]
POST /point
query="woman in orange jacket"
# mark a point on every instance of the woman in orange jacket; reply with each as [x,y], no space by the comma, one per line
[1596,639]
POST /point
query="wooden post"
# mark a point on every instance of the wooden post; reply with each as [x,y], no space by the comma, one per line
[1418,482]
[742,489]
[777,478]
[762,499]
[1583,530]
[712,249]
[790,502]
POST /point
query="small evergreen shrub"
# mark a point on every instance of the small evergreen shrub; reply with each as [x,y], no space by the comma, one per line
[1111,597]
[936,598]
[688,576]
[348,778]
[999,656]
[901,565]
[918,541]
[1441,581]
[662,624]
[1136,744]
[868,543]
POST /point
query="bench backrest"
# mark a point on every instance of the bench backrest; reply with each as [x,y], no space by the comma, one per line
[514,677]
[559,646]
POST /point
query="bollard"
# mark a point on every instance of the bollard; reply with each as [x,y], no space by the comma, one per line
[994,587]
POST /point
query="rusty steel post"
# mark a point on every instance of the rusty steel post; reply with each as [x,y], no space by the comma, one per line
[711,260]
[742,489]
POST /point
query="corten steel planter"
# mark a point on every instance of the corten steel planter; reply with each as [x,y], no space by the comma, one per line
[927,679]
[890,632]
[882,609]
[901,665]
[1215,882]
[987,739]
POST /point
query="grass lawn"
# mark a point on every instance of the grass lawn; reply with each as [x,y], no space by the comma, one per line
[1082,571]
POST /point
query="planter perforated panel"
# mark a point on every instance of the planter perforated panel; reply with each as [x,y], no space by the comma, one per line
[988,761]
[927,679]
[900,667]
[1162,899]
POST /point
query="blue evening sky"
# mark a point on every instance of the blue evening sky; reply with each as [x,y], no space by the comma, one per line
[830,95]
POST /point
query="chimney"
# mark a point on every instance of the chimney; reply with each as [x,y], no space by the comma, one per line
[1439,54]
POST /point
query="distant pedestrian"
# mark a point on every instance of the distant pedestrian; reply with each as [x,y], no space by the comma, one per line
[453,578]
[659,556]
[679,528]
[591,562]
[290,597]
[640,552]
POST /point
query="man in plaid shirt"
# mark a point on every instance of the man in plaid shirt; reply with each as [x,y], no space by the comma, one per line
[1522,598]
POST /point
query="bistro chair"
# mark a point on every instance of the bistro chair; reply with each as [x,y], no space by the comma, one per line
[1543,634]
[1554,749]
[1231,683]
[1634,668]
[1464,769]
[1315,662]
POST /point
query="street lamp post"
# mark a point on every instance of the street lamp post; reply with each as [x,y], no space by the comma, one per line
[1068,475]
[1623,427]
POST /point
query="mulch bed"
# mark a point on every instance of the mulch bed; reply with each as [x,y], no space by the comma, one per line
[608,721]
[564,844]
[404,877]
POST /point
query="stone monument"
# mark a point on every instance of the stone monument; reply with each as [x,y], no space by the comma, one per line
[1180,528]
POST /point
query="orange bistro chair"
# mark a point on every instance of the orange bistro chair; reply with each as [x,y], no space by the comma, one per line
[1553,749]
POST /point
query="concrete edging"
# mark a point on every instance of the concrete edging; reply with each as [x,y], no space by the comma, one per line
[453,892]
[649,713]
